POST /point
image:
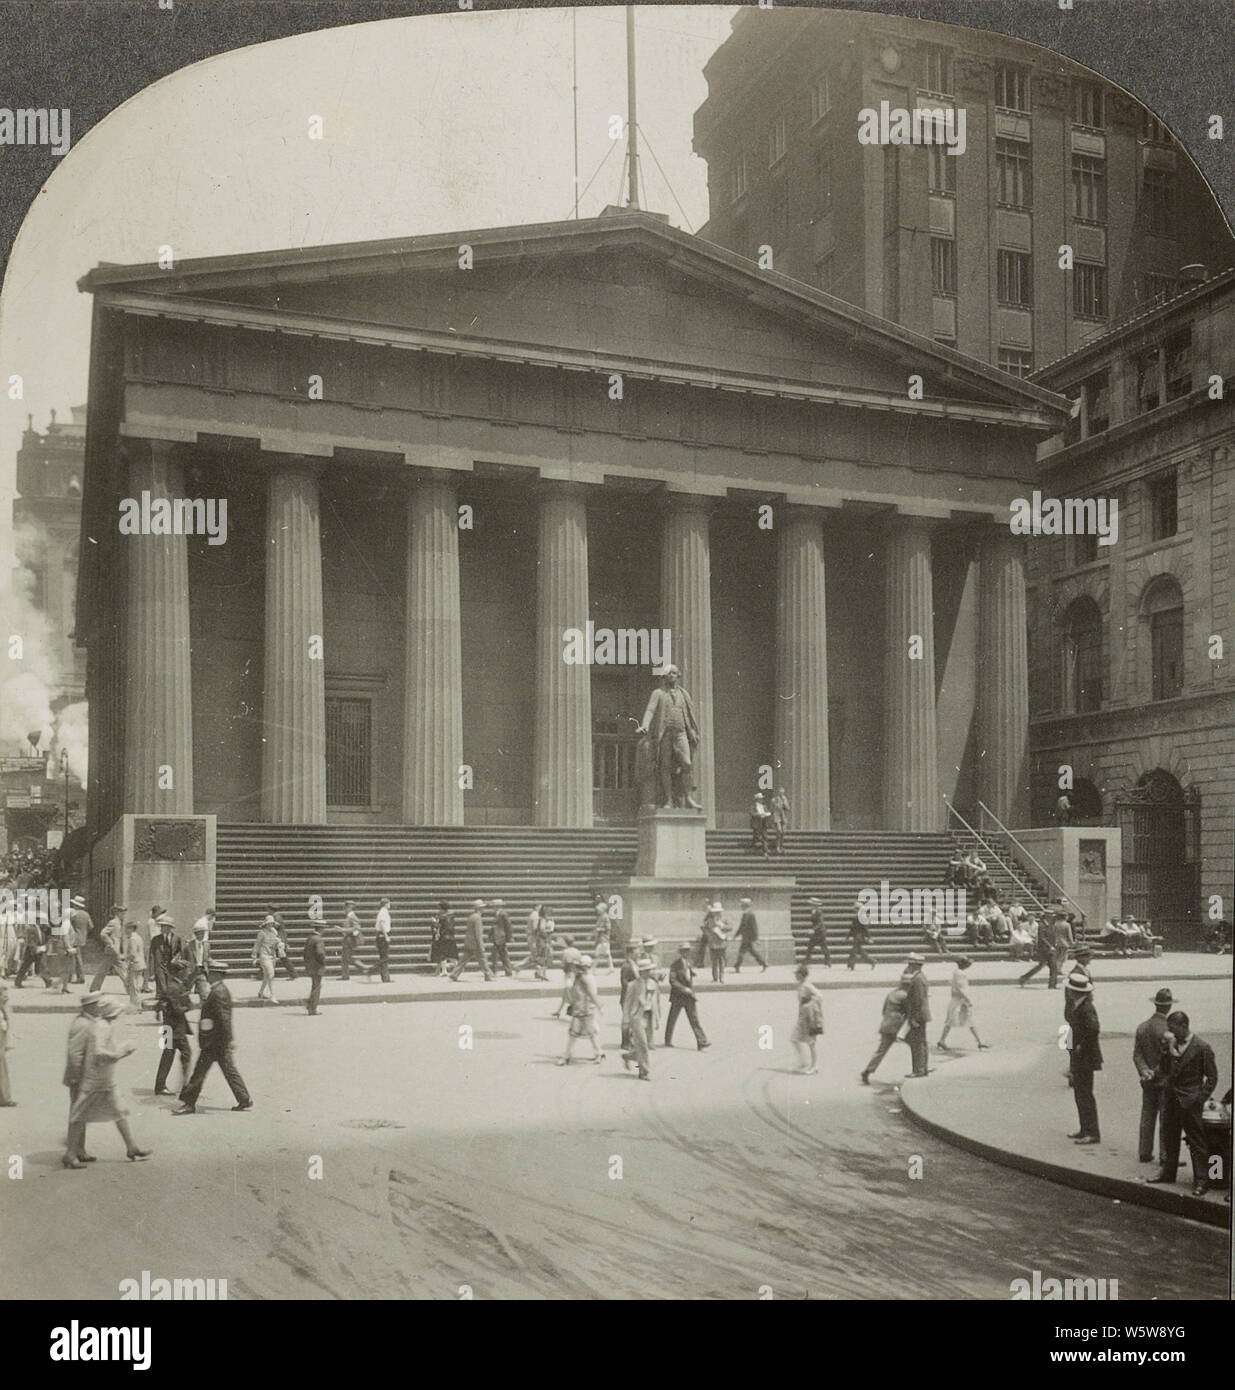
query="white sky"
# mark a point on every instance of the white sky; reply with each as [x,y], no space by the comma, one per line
[431,124]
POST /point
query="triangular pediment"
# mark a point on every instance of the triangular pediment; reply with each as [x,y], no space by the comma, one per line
[625,286]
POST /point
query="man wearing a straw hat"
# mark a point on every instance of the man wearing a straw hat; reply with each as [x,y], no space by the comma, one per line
[1086,1054]
[636,1011]
[473,942]
[818,934]
[748,936]
[83,930]
[917,1013]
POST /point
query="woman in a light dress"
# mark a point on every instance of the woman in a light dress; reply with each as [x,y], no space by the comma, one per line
[960,1008]
[266,947]
[97,1098]
[809,1026]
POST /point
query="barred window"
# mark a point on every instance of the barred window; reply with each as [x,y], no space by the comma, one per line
[941,169]
[1088,188]
[1013,173]
[1089,105]
[349,722]
[1158,201]
[1015,361]
[1089,290]
[1012,88]
[943,265]
[1015,279]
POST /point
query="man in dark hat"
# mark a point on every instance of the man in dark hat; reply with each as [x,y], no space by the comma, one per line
[917,1013]
[1191,1078]
[1044,954]
[164,948]
[748,937]
[216,1041]
[1086,1054]
[1147,1059]
[175,1028]
[315,964]
[682,998]
[818,934]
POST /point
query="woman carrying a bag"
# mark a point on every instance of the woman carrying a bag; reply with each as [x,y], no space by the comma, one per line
[810,1021]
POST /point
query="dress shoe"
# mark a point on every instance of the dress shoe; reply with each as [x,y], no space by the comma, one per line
[1087,1139]
[1080,1134]
[702,1045]
[138,1155]
[87,1158]
[8,1104]
[1160,1178]
[162,1091]
[1200,1189]
[864,1078]
[243,1105]
[185,1110]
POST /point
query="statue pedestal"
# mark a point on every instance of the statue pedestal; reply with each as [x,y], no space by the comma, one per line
[672,844]
[668,893]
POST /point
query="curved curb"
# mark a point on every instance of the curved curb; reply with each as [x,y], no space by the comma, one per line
[1119,1189]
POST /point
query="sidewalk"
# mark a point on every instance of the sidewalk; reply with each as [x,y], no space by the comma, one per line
[1015,1108]
[33,997]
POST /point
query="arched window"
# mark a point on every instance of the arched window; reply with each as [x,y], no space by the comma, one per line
[1086,800]
[1082,656]
[1162,609]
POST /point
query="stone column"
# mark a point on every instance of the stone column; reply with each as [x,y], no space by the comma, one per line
[1003,680]
[686,610]
[433,701]
[294,710]
[802,671]
[562,759]
[159,687]
[911,798]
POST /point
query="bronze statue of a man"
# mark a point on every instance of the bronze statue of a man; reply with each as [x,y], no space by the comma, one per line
[670,727]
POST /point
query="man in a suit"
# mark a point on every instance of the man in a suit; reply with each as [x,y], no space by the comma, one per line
[1147,1059]
[917,1013]
[1191,1078]
[195,957]
[176,1005]
[112,940]
[682,997]
[859,935]
[670,722]
[1086,1054]
[818,934]
[748,938]
[381,938]
[1044,954]
[216,1041]
[34,956]
[315,964]
[74,1066]
[164,948]
[1063,944]
[473,942]
[499,937]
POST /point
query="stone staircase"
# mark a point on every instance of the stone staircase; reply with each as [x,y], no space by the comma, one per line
[284,865]
[1014,881]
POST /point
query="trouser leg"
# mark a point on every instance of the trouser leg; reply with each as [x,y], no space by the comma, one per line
[315,991]
[1198,1142]
[691,1006]
[918,1052]
[885,1042]
[193,1087]
[383,958]
[1086,1105]
[639,1042]
[228,1067]
[675,1008]
[1151,1112]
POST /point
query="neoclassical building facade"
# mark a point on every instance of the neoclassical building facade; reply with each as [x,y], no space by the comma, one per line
[440,454]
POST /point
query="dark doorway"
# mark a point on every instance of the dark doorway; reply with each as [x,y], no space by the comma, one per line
[1160,822]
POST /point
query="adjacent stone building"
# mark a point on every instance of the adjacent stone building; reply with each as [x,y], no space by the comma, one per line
[962,248]
[1132,683]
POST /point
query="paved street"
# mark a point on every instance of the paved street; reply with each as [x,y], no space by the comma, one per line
[489,1167]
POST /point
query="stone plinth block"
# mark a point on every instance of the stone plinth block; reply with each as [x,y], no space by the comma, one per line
[1085,860]
[155,859]
[672,844]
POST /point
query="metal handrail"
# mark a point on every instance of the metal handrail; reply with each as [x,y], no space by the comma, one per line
[990,849]
[1046,873]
